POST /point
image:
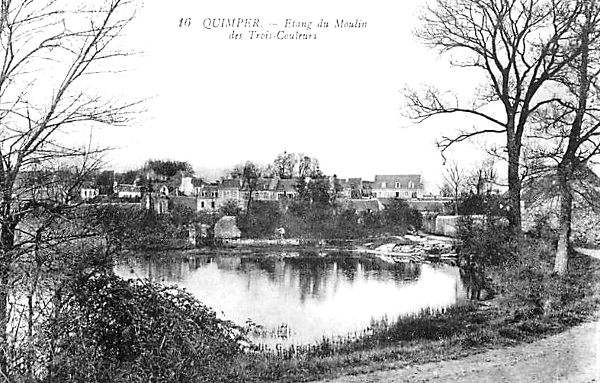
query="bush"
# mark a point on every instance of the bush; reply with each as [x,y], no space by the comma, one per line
[138,229]
[260,221]
[112,330]
[486,241]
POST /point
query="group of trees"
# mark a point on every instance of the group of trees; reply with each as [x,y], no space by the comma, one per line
[291,165]
[474,190]
[540,64]
[157,169]
[62,313]
[284,166]
[317,213]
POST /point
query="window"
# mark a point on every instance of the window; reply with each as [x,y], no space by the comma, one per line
[202,204]
[406,194]
[397,185]
[383,185]
[414,194]
[397,194]
[212,204]
[411,185]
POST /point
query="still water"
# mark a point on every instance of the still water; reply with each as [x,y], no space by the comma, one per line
[300,297]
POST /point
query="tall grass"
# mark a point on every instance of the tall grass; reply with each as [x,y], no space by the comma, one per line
[531,303]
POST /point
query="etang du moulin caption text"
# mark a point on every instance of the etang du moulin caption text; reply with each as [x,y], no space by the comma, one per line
[287,29]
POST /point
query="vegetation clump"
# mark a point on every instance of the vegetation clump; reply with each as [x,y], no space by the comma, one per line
[110,329]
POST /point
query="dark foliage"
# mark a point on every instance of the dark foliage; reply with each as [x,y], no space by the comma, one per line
[260,221]
[486,241]
[169,168]
[133,228]
[112,330]
[491,204]
[399,216]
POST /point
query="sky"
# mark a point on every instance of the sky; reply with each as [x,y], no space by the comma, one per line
[215,101]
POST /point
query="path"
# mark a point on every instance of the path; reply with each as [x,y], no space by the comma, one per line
[572,356]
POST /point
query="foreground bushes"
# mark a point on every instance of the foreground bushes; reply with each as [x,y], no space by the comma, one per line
[112,330]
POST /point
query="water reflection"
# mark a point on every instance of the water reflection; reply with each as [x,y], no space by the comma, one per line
[311,295]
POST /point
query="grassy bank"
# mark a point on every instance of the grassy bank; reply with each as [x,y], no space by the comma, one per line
[531,303]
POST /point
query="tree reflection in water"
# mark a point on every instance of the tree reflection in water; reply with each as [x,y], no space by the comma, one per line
[304,296]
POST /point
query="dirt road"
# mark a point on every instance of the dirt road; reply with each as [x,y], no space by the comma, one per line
[572,356]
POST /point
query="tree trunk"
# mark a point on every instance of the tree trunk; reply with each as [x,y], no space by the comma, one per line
[514,189]
[570,160]
[564,231]
[4,281]
[7,241]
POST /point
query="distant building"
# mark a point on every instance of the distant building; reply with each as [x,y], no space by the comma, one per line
[206,199]
[230,189]
[353,188]
[265,189]
[367,205]
[190,186]
[155,202]
[128,191]
[405,186]
[286,188]
[88,192]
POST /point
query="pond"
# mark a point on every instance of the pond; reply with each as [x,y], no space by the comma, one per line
[297,297]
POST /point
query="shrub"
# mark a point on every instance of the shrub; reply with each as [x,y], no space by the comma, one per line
[114,330]
[486,241]
[261,220]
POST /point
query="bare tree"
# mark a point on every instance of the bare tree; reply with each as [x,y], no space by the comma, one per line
[284,165]
[250,173]
[454,183]
[47,50]
[517,45]
[482,177]
[308,166]
[570,127]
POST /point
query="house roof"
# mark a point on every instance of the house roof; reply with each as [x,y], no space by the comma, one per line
[263,184]
[231,183]
[88,185]
[355,182]
[209,187]
[403,179]
[127,188]
[361,205]
[287,185]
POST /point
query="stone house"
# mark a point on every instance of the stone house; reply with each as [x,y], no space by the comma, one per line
[88,192]
[367,205]
[190,186]
[156,202]
[128,191]
[230,190]
[207,197]
[286,188]
[405,186]
[264,190]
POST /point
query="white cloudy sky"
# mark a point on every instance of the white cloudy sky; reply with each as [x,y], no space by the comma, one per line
[217,102]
